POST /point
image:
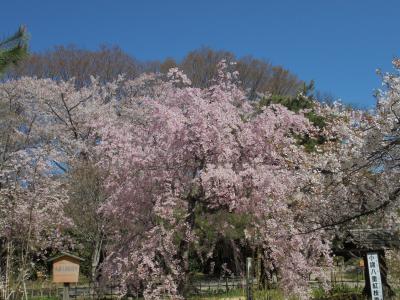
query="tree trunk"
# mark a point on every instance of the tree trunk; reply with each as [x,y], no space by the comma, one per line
[236,259]
[96,257]
[184,246]
[7,291]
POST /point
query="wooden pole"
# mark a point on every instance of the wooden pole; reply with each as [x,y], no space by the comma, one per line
[66,291]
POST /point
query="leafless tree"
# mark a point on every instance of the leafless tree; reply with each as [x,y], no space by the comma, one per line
[63,63]
[106,63]
[256,76]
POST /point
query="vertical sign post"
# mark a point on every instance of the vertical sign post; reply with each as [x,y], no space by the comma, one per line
[66,291]
[374,276]
[249,279]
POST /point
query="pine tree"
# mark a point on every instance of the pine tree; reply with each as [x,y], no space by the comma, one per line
[13,49]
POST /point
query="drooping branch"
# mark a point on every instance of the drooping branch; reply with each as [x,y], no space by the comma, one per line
[391,199]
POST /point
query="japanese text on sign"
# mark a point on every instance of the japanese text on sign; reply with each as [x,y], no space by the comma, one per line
[374,276]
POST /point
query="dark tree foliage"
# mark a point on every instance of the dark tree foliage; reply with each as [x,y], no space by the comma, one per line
[304,100]
[13,49]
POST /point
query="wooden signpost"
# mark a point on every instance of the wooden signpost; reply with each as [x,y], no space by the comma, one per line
[65,269]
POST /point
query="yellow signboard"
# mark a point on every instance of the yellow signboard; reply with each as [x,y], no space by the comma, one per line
[361,263]
[66,268]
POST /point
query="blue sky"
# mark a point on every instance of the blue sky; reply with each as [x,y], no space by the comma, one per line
[339,43]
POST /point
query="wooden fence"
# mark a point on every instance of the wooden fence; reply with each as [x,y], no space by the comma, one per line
[209,286]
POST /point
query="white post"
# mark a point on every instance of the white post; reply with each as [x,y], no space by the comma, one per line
[374,276]
[249,281]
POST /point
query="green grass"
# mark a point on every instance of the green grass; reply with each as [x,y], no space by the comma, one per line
[222,295]
[273,294]
[240,294]
[338,292]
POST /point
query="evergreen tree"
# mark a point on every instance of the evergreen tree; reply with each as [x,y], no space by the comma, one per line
[13,49]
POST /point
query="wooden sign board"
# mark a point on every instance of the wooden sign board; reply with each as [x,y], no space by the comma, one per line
[66,268]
